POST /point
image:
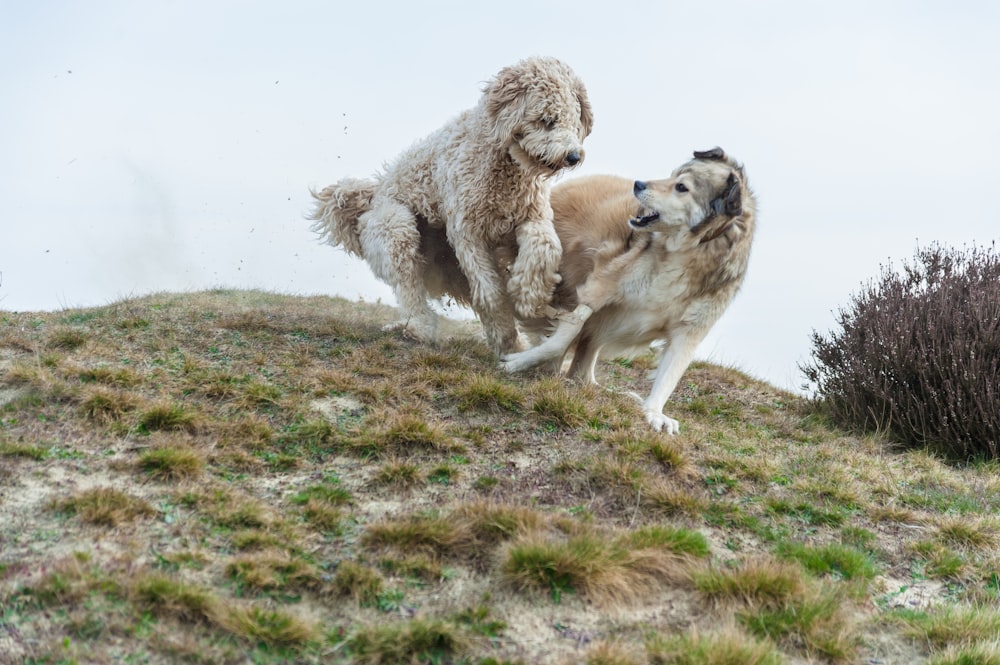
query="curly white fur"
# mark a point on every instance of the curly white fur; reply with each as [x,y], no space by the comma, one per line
[465,212]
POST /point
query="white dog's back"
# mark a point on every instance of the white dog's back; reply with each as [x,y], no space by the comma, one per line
[465,211]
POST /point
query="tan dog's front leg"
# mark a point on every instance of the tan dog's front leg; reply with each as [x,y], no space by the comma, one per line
[535,272]
[674,361]
[601,287]
[570,325]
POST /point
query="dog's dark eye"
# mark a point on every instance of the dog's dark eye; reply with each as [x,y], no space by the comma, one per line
[680,187]
[550,123]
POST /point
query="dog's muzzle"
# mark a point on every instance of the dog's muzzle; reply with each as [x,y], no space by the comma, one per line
[645,216]
[571,159]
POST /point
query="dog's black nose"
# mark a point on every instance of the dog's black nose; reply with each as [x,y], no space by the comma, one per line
[638,187]
[573,158]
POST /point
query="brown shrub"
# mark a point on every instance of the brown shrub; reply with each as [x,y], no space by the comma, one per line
[917,355]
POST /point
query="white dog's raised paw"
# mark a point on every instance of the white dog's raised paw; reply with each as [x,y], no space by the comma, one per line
[531,310]
[662,423]
[531,295]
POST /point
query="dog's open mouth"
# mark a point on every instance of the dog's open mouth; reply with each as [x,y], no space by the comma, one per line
[643,218]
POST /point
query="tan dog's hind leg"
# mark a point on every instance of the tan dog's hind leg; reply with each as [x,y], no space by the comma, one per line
[584,361]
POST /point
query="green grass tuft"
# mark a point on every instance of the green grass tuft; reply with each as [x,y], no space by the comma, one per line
[166,417]
[557,406]
[588,563]
[27,451]
[359,582]
[729,647]
[104,406]
[834,559]
[416,641]
[105,506]
[167,596]
[484,393]
[271,570]
[167,461]
[66,339]
[276,628]
[397,474]
[678,541]
[948,627]
[977,654]
[759,582]
[815,621]
[331,492]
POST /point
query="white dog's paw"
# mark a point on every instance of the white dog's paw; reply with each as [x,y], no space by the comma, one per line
[532,303]
[662,423]
[532,293]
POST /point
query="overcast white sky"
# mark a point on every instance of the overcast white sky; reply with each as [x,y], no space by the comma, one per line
[163,146]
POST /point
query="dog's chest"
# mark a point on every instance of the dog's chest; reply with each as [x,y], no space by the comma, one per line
[518,198]
[656,285]
[657,297]
[498,214]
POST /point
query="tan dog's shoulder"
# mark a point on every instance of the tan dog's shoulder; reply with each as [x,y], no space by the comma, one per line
[589,213]
[595,204]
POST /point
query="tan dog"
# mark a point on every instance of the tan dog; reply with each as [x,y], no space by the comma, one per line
[439,218]
[646,262]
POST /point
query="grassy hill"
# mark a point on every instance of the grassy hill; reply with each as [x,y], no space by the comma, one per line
[242,477]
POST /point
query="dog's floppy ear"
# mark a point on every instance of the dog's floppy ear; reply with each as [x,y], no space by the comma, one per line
[586,112]
[714,153]
[730,203]
[505,96]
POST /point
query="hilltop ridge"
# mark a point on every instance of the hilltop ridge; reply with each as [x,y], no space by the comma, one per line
[240,476]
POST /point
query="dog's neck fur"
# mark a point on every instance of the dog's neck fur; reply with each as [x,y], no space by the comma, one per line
[718,233]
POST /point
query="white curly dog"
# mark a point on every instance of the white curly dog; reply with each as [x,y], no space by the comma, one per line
[465,212]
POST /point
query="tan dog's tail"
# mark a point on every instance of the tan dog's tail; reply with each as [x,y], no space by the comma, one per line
[335,217]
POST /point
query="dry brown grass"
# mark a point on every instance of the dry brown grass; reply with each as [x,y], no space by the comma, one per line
[105,506]
[233,476]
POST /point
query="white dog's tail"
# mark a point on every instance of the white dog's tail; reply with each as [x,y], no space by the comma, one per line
[335,217]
